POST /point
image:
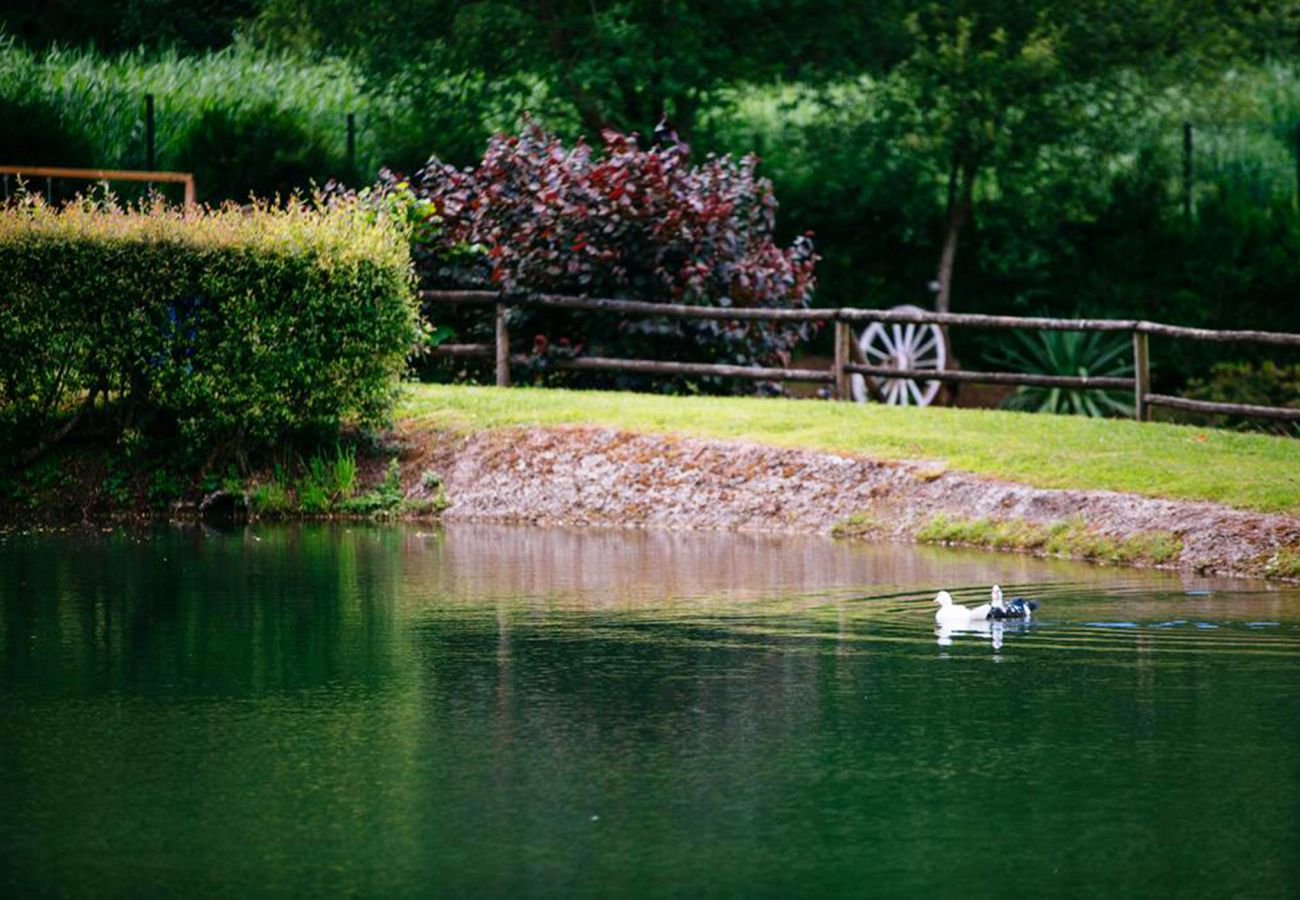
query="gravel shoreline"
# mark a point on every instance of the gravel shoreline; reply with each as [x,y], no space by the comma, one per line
[578,476]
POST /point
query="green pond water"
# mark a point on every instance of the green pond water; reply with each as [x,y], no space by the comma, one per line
[484,711]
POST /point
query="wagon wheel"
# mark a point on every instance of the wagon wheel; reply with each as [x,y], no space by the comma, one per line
[902,346]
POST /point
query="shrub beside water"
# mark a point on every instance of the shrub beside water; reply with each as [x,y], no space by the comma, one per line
[223,330]
[618,221]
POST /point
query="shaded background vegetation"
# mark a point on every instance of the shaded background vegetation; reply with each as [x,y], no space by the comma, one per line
[985,156]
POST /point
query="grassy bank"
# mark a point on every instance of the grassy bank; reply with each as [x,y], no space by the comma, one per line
[1247,471]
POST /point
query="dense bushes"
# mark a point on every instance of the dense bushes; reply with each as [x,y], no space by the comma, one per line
[225,330]
[628,222]
[1244,382]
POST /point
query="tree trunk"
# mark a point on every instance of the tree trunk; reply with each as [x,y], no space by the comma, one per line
[557,33]
[960,181]
[684,116]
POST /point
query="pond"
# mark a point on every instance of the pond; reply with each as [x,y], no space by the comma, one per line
[384,711]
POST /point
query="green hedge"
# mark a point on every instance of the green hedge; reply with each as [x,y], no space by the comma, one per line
[228,330]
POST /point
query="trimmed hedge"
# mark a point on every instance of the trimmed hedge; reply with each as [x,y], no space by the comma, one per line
[232,330]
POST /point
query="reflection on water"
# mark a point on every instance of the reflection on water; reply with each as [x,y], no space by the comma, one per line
[485,710]
[995,632]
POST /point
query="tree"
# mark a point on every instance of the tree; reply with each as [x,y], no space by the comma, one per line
[988,88]
[622,65]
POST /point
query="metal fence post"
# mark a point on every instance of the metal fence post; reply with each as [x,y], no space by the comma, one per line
[842,338]
[502,348]
[1141,377]
[352,145]
[150,153]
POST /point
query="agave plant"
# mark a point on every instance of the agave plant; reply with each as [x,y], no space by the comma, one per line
[1074,353]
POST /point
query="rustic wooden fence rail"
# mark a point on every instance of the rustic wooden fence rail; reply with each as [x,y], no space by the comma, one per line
[849,359]
[52,172]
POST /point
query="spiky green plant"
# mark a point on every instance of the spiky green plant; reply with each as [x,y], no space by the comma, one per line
[1071,353]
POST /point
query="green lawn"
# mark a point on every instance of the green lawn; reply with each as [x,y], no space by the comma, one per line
[1246,470]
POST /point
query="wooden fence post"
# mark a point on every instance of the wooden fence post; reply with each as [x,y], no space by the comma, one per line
[1141,377]
[150,147]
[352,145]
[502,348]
[843,335]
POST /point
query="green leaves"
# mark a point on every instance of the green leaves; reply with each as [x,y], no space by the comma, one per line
[228,330]
[1070,353]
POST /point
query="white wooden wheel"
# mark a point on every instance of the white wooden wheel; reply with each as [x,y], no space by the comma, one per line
[902,346]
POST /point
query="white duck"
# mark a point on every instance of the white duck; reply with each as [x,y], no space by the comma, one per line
[949,614]
[984,610]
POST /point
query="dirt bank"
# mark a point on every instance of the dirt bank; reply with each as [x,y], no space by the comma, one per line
[586,476]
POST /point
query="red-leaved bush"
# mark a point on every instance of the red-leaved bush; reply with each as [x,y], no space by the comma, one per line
[631,223]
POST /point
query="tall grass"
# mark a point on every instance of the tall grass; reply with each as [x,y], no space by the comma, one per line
[246,119]
[232,112]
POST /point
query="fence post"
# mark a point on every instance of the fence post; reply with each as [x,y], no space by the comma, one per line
[842,337]
[149,148]
[503,348]
[1141,376]
[1187,170]
[352,146]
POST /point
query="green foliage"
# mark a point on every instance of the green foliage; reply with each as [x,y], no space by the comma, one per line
[124,24]
[243,120]
[270,500]
[622,64]
[46,137]
[229,331]
[1067,537]
[1265,384]
[1073,353]
[252,149]
[343,472]
[865,524]
[1285,563]
[1089,221]
[327,481]
[164,486]
[385,499]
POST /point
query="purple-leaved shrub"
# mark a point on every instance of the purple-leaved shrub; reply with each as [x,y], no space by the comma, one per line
[536,216]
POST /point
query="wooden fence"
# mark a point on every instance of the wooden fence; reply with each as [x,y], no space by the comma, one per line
[849,359]
[52,172]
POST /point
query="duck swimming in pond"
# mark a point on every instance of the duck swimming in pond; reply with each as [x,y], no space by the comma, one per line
[950,614]
[1016,608]
[985,610]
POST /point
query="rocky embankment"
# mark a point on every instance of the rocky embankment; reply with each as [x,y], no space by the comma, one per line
[601,477]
